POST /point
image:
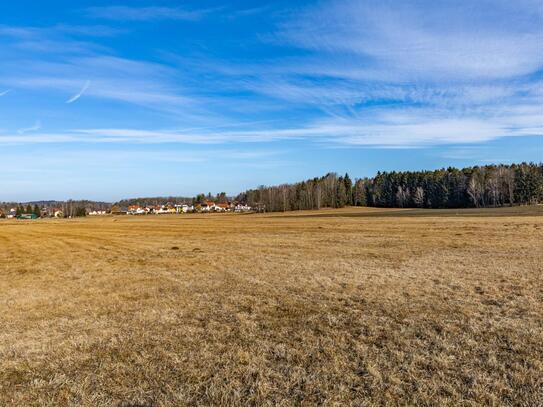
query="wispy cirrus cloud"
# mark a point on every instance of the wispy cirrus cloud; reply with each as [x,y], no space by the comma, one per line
[60,39]
[80,93]
[55,59]
[424,40]
[152,13]
[146,84]
[388,74]
[35,127]
[407,73]
[59,31]
[397,128]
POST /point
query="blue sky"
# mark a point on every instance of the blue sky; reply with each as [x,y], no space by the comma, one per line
[105,100]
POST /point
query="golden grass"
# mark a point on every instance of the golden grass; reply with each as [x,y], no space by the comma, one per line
[322,308]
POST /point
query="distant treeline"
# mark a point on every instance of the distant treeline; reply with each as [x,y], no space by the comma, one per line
[153,201]
[174,200]
[491,185]
[69,208]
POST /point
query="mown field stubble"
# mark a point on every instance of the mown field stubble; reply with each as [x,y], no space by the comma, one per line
[339,307]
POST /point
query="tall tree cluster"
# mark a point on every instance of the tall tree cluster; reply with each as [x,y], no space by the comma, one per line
[481,186]
[486,186]
[330,191]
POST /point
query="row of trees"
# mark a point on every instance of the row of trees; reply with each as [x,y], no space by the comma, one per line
[330,191]
[29,209]
[69,208]
[175,200]
[219,198]
[153,201]
[491,185]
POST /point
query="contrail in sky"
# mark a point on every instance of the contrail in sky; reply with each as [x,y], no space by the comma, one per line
[36,126]
[5,92]
[80,93]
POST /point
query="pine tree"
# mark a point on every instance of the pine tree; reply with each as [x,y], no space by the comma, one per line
[348,189]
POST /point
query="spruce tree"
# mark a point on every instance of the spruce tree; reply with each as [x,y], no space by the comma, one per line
[348,189]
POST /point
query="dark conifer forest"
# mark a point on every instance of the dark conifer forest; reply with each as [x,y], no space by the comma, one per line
[472,187]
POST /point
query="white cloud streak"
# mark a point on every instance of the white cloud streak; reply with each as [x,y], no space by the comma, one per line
[80,93]
[126,13]
[35,127]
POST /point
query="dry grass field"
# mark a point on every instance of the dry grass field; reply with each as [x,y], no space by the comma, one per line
[341,307]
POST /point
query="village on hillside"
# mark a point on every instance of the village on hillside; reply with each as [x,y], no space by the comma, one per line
[169,208]
[70,211]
